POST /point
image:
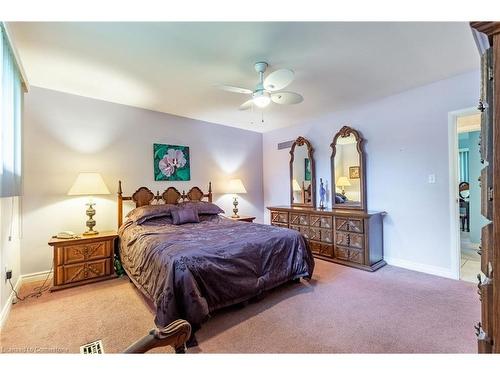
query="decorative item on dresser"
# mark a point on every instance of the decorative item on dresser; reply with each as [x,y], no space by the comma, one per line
[487,37]
[353,238]
[83,260]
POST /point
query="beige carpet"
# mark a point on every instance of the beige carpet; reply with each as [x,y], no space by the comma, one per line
[342,310]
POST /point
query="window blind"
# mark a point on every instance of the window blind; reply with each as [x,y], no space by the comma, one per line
[11,100]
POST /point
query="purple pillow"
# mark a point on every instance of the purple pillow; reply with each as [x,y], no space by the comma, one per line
[203,208]
[185,215]
[144,213]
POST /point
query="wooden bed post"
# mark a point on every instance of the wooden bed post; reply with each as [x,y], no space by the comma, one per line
[210,191]
[175,334]
[120,204]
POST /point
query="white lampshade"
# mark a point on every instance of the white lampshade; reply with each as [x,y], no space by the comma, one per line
[296,186]
[89,184]
[236,187]
[343,181]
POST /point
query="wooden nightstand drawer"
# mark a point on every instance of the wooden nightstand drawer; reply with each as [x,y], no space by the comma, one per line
[73,273]
[83,260]
[84,252]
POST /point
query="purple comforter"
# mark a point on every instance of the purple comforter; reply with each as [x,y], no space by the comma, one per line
[190,270]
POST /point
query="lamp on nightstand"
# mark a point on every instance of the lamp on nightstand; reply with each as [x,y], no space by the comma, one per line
[236,187]
[89,184]
[343,182]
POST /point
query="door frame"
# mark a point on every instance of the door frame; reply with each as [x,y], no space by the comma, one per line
[453,187]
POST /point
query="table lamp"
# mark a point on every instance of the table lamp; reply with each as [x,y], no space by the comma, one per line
[343,182]
[89,184]
[236,187]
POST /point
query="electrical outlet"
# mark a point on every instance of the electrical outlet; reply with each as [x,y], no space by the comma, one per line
[8,274]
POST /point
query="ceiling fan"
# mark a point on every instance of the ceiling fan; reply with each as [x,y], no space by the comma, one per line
[268,89]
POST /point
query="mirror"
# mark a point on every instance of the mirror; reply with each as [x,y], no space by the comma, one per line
[302,174]
[348,170]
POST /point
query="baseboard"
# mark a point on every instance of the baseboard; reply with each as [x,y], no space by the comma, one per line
[37,276]
[425,268]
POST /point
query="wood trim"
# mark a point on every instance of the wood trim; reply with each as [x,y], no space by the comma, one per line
[300,141]
[346,131]
[489,28]
[143,197]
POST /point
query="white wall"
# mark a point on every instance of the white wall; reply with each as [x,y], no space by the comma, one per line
[406,140]
[67,134]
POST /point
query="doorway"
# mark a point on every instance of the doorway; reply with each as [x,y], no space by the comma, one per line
[467,192]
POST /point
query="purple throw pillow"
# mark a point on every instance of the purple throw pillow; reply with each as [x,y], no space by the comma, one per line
[144,213]
[185,215]
[203,208]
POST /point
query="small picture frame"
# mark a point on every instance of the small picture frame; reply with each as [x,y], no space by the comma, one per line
[354,172]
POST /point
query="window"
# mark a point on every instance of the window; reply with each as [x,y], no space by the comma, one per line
[463,163]
[11,98]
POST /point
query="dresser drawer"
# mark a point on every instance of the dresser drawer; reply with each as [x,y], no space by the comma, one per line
[279,217]
[83,252]
[356,256]
[299,219]
[321,221]
[326,236]
[72,273]
[301,229]
[341,253]
[281,225]
[315,247]
[342,238]
[326,250]
[349,224]
[356,240]
[314,234]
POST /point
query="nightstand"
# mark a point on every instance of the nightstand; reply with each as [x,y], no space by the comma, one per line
[83,260]
[248,219]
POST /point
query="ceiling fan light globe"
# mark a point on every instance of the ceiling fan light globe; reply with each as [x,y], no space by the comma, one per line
[261,99]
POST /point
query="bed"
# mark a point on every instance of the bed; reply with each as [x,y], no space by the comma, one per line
[188,271]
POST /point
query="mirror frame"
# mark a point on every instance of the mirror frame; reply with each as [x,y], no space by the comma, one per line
[346,131]
[300,141]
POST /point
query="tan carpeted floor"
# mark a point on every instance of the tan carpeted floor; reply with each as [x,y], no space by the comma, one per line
[342,310]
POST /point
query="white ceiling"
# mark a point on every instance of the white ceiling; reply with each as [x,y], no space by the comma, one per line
[172,67]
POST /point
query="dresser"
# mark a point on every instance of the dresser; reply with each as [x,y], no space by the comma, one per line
[83,260]
[349,237]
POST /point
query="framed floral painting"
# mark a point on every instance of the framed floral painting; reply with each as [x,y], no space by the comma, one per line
[171,163]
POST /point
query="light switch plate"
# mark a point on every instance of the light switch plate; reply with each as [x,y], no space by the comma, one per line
[432,179]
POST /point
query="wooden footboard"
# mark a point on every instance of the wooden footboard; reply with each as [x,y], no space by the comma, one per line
[175,334]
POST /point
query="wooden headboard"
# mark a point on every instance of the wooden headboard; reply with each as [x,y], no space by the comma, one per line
[143,197]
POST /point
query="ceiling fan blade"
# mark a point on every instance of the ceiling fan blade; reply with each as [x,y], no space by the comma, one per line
[278,79]
[247,105]
[286,97]
[239,90]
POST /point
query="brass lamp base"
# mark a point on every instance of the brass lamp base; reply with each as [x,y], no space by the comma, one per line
[235,209]
[90,222]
